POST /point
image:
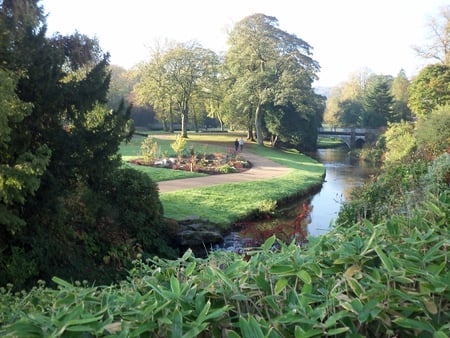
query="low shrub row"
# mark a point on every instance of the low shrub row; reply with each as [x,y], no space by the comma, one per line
[366,280]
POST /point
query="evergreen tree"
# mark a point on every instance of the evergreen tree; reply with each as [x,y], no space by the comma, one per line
[377,102]
[58,142]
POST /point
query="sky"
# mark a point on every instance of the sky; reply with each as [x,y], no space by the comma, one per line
[347,36]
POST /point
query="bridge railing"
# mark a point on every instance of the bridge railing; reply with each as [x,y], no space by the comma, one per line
[344,130]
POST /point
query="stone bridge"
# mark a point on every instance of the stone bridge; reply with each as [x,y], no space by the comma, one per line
[353,137]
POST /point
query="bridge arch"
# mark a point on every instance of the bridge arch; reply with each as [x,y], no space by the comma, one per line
[359,142]
[352,137]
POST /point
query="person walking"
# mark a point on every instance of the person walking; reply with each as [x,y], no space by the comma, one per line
[241,143]
[236,145]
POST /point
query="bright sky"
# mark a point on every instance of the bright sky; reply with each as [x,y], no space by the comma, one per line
[346,35]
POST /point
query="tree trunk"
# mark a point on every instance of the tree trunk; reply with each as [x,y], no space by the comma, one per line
[258,125]
[184,121]
[171,119]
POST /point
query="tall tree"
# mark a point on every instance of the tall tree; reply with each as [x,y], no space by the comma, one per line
[350,113]
[399,89]
[438,48]
[174,76]
[152,86]
[59,134]
[260,56]
[347,99]
[429,89]
[377,102]
[20,173]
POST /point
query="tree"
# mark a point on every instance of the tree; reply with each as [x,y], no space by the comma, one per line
[348,99]
[152,86]
[377,102]
[350,113]
[59,139]
[429,89]
[439,38]
[263,61]
[120,86]
[174,76]
[399,90]
[20,174]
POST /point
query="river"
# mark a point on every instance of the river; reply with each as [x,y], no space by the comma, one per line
[316,213]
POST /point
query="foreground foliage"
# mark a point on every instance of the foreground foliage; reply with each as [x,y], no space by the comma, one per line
[386,279]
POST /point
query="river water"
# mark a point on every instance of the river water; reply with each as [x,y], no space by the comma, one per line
[315,215]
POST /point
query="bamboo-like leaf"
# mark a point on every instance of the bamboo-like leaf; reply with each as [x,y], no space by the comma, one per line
[431,306]
[337,331]
[307,334]
[262,283]
[314,267]
[175,285]
[195,331]
[333,319]
[369,310]
[355,286]
[283,270]
[202,316]
[177,324]
[432,253]
[414,324]
[187,255]
[387,262]
[436,269]
[190,268]
[369,243]
[280,285]
[268,244]
[250,328]
[62,282]
[304,276]
[352,270]
[440,334]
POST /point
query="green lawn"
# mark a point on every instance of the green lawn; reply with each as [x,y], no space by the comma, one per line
[227,203]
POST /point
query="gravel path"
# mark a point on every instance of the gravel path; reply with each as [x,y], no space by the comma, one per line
[262,168]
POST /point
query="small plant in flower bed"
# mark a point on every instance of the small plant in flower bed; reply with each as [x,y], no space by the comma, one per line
[216,163]
[362,280]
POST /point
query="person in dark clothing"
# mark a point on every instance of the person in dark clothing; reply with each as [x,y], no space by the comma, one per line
[236,145]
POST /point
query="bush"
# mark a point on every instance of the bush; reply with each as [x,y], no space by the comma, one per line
[150,150]
[433,132]
[138,210]
[437,178]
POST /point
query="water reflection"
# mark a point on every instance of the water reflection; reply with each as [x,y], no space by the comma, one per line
[343,174]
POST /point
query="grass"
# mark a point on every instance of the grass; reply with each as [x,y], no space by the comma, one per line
[227,203]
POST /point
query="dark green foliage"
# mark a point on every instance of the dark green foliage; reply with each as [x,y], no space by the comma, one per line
[433,131]
[377,102]
[59,149]
[138,210]
[429,89]
[350,113]
[364,280]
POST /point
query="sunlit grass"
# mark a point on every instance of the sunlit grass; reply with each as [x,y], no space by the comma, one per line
[227,203]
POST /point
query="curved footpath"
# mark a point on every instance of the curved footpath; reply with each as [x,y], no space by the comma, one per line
[262,168]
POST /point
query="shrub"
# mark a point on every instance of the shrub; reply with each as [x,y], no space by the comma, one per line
[139,211]
[227,169]
[179,145]
[150,150]
[437,178]
[433,131]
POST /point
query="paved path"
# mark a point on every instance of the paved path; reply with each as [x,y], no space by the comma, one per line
[262,168]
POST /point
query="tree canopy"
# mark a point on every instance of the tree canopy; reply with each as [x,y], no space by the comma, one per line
[271,71]
[429,89]
[58,146]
